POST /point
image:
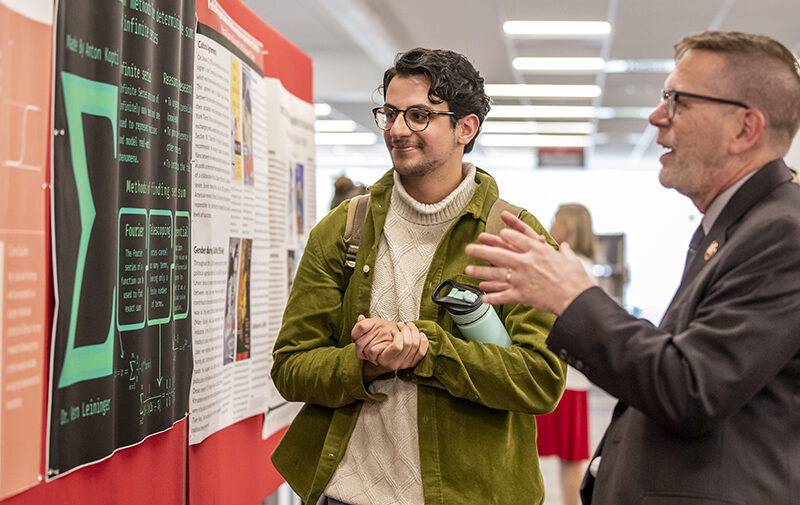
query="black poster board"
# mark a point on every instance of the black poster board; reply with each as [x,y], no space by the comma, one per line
[121,358]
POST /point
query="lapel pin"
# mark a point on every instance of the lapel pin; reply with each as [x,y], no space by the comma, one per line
[711,251]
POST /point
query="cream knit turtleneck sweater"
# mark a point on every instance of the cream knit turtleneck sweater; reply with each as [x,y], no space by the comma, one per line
[381,464]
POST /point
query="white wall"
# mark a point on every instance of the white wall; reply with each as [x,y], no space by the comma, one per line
[793,156]
[657,222]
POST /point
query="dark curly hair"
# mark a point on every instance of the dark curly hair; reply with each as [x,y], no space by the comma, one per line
[453,80]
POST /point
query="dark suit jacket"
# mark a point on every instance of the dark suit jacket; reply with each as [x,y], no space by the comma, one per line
[709,401]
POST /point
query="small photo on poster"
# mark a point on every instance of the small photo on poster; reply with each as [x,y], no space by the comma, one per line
[236,119]
[247,128]
[243,302]
[229,334]
[291,266]
[299,188]
[292,210]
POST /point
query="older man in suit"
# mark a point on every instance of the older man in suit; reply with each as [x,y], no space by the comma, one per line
[709,401]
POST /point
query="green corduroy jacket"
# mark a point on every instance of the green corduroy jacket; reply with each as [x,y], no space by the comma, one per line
[476,401]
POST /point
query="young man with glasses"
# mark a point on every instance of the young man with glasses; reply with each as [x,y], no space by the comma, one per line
[399,407]
[709,410]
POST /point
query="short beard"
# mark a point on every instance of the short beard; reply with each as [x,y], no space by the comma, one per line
[418,170]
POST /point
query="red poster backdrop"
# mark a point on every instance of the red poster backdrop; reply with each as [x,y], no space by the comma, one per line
[150,473]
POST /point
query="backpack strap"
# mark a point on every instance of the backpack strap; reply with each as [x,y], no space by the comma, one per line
[494,223]
[356,216]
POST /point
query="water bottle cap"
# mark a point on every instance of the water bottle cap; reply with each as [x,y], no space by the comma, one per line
[460,299]
[463,294]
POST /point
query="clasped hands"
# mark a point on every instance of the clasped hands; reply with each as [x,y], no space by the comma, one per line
[387,346]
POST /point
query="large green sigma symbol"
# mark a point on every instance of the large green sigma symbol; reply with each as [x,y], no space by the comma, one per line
[83,96]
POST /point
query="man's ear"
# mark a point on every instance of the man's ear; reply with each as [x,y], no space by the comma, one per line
[751,131]
[467,128]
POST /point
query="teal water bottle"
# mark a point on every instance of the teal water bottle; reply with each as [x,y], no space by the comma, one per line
[477,320]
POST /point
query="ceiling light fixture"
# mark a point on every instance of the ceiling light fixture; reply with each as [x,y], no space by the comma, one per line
[334,125]
[322,109]
[535,140]
[617,138]
[558,28]
[541,111]
[643,66]
[568,64]
[543,90]
[624,112]
[346,139]
[537,127]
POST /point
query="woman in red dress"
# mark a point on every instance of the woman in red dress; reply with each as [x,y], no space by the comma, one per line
[565,431]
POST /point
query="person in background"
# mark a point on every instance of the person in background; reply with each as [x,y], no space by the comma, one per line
[399,407]
[345,189]
[709,410]
[565,431]
[573,224]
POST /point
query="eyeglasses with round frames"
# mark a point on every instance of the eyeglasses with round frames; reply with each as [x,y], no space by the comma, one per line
[416,118]
[671,97]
